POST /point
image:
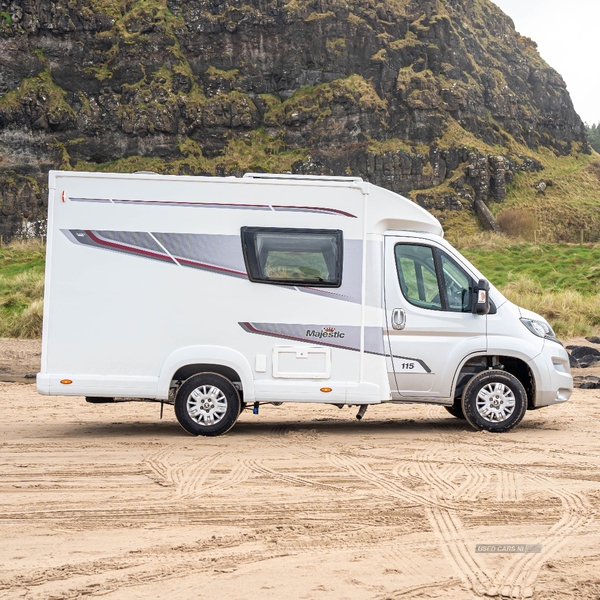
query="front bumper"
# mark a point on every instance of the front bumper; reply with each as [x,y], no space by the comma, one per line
[554,384]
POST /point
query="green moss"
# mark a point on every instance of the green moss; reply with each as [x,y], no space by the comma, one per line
[39,53]
[313,103]
[255,150]
[214,73]
[455,136]
[270,100]
[189,148]
[44,88]
[100,72]
[163,76]
[183,68]
[129,164]
[409,41]
[389,145]
[315,16]
[158,10]
[380,56]
[125,14]
[357,88]
[357,21]
[458,224]
[65,159]
[112,8]
[337,46]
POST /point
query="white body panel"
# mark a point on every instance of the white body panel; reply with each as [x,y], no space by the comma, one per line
[145,275]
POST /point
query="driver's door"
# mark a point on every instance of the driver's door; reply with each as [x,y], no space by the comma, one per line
[430,324]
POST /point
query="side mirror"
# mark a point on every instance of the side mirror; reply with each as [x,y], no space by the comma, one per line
[481,302]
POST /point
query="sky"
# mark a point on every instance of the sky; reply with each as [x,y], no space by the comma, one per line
[568,36]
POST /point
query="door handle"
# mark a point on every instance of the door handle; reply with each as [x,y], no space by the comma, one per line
[398,318]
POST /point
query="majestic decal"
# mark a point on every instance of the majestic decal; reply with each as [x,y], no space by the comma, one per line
[326,332]
[345,337]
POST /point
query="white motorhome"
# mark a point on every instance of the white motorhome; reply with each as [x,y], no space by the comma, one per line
[218,293]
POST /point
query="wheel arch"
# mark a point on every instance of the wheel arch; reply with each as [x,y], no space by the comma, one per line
[515,365]
[185,362]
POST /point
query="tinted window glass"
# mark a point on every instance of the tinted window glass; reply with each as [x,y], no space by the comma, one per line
[458,286]
[417,275]
[293,256]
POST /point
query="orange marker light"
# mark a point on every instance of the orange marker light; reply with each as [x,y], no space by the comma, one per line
[66,381]
[63,196]
[326,390]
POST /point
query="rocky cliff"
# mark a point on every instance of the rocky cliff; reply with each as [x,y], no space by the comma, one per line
[439,99]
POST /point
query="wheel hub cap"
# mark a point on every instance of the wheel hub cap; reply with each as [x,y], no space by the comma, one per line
[207,405]
[495,402]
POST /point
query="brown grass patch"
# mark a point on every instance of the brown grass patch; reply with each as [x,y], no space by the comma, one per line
[518,223]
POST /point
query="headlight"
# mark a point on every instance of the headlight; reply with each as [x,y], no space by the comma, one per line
[539,328]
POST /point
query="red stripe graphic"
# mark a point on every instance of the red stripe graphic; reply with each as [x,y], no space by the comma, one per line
[200,204]
[276,207]
[124,248]
[194,263]
[333,211]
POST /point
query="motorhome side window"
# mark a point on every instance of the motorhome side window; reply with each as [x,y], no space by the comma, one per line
[429,278]
[311,257]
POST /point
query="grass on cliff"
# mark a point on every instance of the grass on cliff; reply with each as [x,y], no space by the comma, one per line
[559,281]
[553,267]
[569,207]
[21,289]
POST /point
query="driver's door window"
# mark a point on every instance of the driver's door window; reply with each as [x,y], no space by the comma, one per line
[430,279]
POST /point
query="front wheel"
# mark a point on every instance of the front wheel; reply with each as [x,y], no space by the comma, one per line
[494,401]
[207,404]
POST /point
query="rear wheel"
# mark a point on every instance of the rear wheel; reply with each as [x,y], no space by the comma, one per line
[207,404]
[494,401]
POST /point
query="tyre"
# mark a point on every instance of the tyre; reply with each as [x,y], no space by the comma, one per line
[207,404]
[456,410]
[494,401]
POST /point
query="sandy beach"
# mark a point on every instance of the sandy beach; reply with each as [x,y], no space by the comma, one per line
[296,502]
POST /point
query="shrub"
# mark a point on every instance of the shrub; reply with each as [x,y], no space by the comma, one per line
[518,223]
[21,289]
[570,312]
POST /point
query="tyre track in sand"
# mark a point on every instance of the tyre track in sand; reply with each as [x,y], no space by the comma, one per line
[257,465]
[160,466]
[363,471]
[419,590]
[189,478]
[509,486]
[518,577]
[446,524]
[192,475]
[239,474]
[148,574]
